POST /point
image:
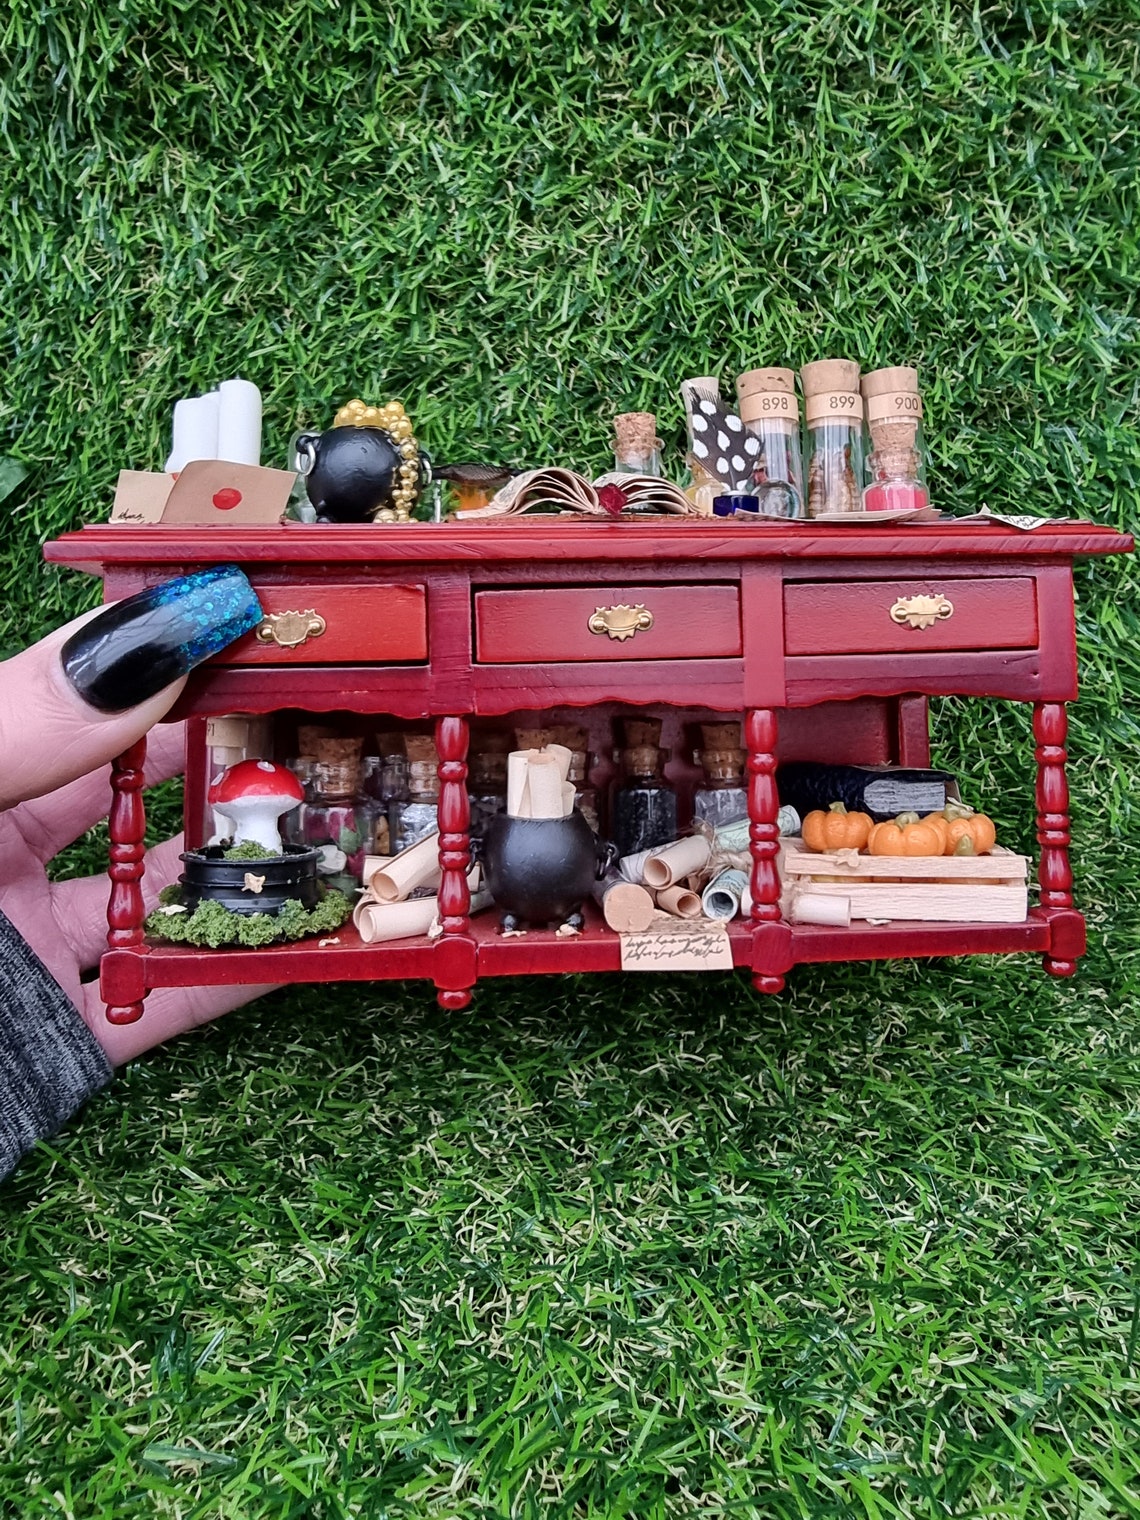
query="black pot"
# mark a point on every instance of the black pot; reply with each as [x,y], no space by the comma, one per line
[351,472]
[291,875]
[540,870]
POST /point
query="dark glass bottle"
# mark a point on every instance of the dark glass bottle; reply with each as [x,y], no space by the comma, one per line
[722,796]
[645,804]
[486,788]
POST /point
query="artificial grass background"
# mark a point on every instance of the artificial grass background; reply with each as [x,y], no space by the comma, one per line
[596,1248]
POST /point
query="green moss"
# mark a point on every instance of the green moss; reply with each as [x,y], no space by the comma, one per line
[211,925]
[249,849]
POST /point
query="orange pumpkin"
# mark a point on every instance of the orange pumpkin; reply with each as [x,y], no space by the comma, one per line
[836,829]
[908,834]
[968,833]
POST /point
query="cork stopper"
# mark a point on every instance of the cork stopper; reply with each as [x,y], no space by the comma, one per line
[339,751]
[824,375]
[572,735]
[641,731]
[421,749]
[307,736]
[531,738]
[754,382]
[720,735]
[641,759]
[880,382]
[635,434]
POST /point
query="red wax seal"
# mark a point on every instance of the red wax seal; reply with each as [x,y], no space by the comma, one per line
[612,499]
[226,499]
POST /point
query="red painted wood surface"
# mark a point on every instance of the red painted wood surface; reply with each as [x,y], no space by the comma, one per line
[126,828]
[363,622]
[778,622]
[555,544]
[829,617]
[551,624]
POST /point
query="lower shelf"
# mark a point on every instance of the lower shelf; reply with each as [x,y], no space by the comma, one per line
[459,961]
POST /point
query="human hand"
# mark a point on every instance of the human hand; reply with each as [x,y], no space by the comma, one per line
[68,705]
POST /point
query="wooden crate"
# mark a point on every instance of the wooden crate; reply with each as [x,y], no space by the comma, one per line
[991,889]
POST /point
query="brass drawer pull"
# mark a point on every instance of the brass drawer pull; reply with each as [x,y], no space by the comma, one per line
[620,622]
[921,611]
[290,629]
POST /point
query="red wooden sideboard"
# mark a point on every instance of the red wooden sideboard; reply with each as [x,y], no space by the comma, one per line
[802,628]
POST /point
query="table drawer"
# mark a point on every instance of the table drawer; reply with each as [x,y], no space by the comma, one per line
[329,623]
[911,616]
[651,622]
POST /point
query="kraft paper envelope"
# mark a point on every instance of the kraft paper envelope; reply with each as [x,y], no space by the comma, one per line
[140,496]
[219,491]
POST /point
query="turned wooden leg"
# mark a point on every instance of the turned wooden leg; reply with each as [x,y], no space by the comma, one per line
[1050,731]
[451,735]
[127,827]
[763,830]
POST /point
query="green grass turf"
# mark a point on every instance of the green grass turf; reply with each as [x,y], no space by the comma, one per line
[597,1247]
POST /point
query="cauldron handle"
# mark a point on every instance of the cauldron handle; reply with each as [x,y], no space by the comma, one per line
[607,858]
[305,450]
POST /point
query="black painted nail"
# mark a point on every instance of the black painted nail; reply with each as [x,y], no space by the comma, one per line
[140,645]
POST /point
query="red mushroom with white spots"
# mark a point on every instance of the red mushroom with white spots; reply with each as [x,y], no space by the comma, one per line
[253,794]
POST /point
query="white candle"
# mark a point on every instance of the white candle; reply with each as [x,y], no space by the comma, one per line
[195,434]
[239,422]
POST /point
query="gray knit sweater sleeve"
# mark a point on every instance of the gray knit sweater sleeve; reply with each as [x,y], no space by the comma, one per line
[50,1062]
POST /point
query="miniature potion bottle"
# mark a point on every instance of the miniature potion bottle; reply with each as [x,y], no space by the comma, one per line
[637,448]
[722,797]
[833,414]
[340,820]
[577,740]
[645,804]
[896,464]
[487,779]
[770,411]
[413,817]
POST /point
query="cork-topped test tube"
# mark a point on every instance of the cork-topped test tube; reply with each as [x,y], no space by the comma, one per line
[637,448]
[770,409]
[896,463]
[833,416]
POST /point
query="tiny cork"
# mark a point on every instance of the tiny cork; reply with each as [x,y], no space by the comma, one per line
[880,382]
[531,738]
[307,736]
[421,748]
[338,751]
[635,434]
[717,736]
[641,731]
[572,735]
[825,375]
[754,382]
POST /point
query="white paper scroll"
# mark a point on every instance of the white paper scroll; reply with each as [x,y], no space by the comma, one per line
[222,424]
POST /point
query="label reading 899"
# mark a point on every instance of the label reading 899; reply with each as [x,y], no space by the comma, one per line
[835,406]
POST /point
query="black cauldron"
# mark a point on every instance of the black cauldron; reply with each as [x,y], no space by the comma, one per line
[292,874]
[351,472]
[540,870]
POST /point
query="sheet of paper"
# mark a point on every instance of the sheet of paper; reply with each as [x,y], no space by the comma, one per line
[677,944]
[140,496]
[218,491]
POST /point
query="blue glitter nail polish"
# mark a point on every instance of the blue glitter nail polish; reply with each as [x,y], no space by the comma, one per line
[140,645]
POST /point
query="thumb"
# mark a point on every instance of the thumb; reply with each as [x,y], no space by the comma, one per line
[89,690]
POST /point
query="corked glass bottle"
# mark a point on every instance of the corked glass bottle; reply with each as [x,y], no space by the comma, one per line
[722,796]
[833,416]
[487,779]
[413,817]
[577,740]
[896,463]
[340,820]
[770,409]
[637,448]
[644,804]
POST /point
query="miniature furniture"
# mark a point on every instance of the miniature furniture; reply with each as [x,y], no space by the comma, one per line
[829,639]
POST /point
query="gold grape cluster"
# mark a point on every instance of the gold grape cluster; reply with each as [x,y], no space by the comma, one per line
[392,419]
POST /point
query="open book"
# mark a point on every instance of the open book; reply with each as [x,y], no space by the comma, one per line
[559,490]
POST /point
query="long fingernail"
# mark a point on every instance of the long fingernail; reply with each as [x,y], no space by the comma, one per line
[140,645]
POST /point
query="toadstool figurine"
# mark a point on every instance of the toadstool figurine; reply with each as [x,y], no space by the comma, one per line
[254,794]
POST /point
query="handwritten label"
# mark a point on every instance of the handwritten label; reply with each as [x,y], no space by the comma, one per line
[834,406]
[900,406]
[677,944]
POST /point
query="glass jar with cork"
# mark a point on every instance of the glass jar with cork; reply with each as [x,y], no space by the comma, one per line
[833,417]
[644,813]
[770,410]
[487,778]
[340,820]
[416,815]
[722,796]
[896,463]
[637,448]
